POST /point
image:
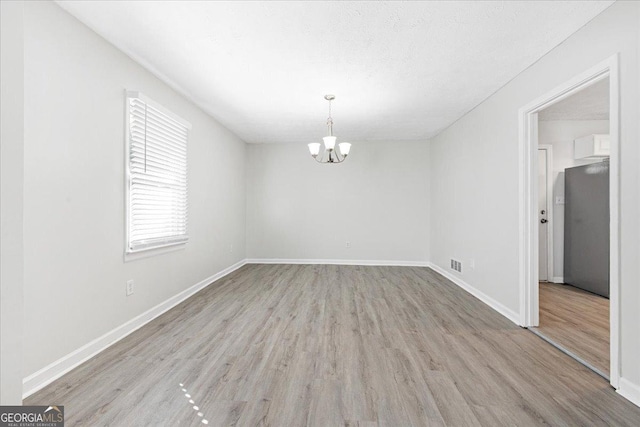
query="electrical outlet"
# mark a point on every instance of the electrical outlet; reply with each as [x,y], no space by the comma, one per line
[129,287]
[348,244]
[472,263]
[230,249]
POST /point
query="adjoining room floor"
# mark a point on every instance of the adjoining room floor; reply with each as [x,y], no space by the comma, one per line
[327,345]
[576,320]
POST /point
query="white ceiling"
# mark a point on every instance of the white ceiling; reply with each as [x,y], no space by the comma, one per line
[591,103]
[399,70]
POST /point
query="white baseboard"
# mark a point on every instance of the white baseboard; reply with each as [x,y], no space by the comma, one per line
[506,312]
[338,262]
[557,279]
[629,391]
[55,370]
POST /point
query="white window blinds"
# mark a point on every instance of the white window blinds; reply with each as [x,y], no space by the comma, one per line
[157,175]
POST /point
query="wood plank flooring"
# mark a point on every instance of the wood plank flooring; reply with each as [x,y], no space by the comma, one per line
[578,321]
[326,345]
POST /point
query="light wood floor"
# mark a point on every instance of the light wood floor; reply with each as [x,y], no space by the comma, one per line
[578,321]
[295,345]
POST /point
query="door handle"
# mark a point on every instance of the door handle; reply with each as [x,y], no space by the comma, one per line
[543,221]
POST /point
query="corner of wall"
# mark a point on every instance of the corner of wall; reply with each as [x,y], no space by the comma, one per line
[497,306]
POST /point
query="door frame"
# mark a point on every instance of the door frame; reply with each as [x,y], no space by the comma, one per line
[549,149]
[528,268]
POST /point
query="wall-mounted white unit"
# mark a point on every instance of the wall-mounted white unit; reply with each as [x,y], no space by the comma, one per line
[591,146]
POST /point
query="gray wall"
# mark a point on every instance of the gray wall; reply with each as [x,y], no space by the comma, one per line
[11,182]
[74,213]
[475,172]
[378,200]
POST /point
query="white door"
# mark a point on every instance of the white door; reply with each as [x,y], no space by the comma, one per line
[543,224]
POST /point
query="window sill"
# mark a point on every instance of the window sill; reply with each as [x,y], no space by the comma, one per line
[147,253]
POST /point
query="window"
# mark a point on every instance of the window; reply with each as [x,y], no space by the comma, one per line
[156,175]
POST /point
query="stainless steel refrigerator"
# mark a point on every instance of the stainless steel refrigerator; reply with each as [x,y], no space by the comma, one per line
[586,228]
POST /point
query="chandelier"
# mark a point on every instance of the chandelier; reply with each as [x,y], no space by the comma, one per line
[329,143]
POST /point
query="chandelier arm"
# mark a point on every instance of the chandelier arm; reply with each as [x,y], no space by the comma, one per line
[324,162]
[321,158]
[328,162]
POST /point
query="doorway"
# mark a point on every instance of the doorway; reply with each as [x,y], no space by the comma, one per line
[545,212]
[538,289]
[574,304]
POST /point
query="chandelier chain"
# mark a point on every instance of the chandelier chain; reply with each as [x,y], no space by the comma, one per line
[330,120]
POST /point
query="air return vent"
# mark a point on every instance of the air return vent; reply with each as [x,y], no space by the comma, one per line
[456,265]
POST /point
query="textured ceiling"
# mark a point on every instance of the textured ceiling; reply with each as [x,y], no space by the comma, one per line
[591,103]
[399,70]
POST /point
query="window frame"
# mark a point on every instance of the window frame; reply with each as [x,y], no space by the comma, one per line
[161,247]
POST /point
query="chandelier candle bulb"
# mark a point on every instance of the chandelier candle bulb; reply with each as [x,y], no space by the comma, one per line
[314,148]
[345,147]
[329,142]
